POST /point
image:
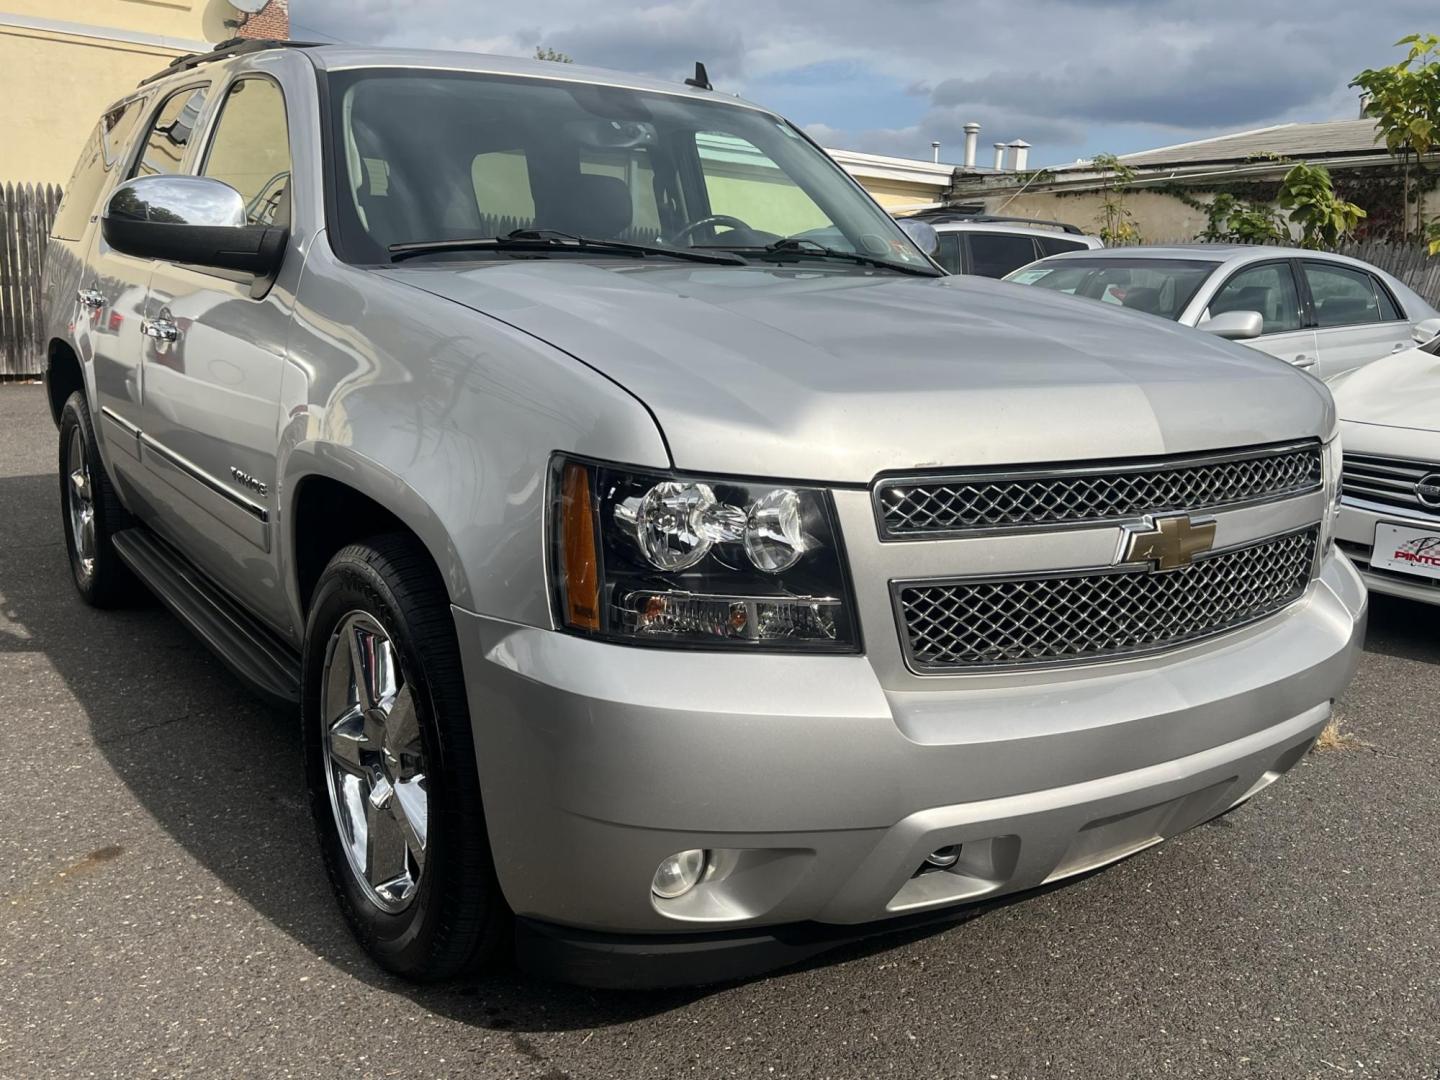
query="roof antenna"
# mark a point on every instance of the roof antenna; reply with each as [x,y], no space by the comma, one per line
[700,80]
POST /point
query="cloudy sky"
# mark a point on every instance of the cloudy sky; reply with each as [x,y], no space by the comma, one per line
[1072,77]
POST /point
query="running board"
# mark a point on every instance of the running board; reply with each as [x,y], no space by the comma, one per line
[257,656]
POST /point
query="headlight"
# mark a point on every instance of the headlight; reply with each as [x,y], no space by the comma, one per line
[676,560]
[1332,466]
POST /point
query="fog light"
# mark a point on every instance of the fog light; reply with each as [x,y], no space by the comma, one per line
[680,873]
[943,858]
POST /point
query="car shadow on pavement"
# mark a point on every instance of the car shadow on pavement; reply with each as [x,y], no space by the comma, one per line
[221,772]
[1404,629]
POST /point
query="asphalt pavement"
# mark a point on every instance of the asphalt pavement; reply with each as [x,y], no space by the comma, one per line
[163,911]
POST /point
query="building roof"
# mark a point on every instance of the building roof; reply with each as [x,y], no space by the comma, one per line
[1308,141]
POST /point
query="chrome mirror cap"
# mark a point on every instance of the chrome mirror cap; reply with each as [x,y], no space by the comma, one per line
[922,234]
[177,200]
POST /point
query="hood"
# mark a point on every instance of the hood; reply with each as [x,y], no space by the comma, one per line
[831,375]
[1401,391]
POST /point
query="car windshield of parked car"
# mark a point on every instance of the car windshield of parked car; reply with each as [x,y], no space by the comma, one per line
[1160,287]
[442,156]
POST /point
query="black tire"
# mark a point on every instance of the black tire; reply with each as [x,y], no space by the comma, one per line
[104,581]
[456,921]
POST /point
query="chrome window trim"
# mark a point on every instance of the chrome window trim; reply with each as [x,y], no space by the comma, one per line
[950,670]
[198,474]
[1120,465]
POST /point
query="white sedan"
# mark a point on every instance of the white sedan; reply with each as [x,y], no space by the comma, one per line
[1389,522]
[1325,313]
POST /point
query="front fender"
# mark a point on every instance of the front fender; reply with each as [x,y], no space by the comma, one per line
[448,419]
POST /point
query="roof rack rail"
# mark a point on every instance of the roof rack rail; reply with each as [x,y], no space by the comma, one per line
[945,215]
[223,51]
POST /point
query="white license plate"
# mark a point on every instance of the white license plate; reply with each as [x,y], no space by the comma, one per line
[1407,550]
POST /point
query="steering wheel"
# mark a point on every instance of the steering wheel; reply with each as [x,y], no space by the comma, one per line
[713,219]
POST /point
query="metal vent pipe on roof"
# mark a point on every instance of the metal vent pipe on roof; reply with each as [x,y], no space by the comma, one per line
[934,151]
[999,157]
[972,138]
[1019,155]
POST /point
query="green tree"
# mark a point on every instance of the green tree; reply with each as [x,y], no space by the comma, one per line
[1404,101]
[548,53]
[1240,221]
[1324,218]
[1116,221]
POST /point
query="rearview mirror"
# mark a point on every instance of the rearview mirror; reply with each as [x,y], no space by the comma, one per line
[1235,325]
[922,234]
[1426,330]
[189,219]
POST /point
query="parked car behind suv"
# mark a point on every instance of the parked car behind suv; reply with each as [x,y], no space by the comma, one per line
[993,246]
[1389,520]
[673,570]
[1322,312]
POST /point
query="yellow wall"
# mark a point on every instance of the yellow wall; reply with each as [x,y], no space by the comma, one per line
[897,195]
[55,85]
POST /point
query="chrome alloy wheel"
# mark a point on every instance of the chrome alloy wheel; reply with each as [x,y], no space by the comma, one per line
[375,762]
[81,502]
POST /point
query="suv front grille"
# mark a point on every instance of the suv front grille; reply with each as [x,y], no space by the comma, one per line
[917,508]
[1091,615]
[1389,481]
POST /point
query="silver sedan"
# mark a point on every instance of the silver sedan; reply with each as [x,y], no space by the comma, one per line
[1326,313]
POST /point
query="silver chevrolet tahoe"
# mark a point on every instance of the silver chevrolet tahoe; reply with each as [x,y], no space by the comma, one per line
[674,571]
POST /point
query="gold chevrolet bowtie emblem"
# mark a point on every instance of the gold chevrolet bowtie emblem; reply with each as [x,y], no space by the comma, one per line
[1169,543]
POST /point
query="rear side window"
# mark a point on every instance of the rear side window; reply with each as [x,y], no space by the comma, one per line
[996,254]
[1053,245]
[1343,296]
[102,152]
[250,150]
[169,134]
[1268,289]
[948,253]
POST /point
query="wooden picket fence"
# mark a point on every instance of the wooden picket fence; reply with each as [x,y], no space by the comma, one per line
[26,211]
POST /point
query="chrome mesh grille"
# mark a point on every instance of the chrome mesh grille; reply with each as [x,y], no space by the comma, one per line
[919,508]
[949,626]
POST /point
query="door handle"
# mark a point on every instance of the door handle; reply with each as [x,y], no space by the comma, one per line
[1303,360]
[1399,346]
[91,298]
[160,330]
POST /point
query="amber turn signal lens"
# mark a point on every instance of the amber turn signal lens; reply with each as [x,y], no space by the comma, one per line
[579,567]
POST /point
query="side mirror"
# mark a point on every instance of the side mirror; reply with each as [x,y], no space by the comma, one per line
[922,234]
[1235,325]
[1426,330]
[189,219]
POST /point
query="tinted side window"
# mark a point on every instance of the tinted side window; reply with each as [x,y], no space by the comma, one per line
[1389,310]
[1053,245]
[170,133]
[102,151]
[948,253]
[250,150]
[1268,289]
[1343,297]
[995,254]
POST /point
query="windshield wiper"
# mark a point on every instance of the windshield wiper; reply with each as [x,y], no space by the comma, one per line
[555,240]
[803,247]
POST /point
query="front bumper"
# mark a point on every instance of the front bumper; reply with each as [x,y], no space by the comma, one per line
[821,789]
[1355,533]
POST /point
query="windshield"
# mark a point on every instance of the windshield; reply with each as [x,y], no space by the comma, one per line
[1155,286]
[428,156]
